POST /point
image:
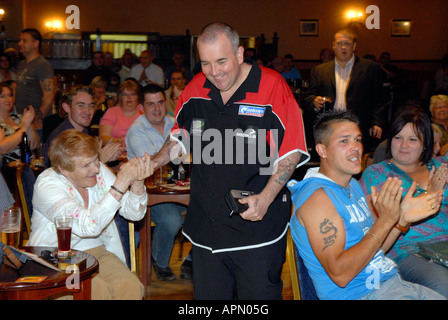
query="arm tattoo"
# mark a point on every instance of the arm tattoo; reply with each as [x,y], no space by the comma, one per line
[327,227]
[47,85]
[285,170]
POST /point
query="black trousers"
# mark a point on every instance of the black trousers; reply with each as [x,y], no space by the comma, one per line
[253,274]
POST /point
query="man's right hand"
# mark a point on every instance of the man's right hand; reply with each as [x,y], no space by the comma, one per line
[319,102]
[387,200]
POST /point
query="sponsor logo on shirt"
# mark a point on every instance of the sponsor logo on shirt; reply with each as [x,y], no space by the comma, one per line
[249,134]
[251,111]
[197,126]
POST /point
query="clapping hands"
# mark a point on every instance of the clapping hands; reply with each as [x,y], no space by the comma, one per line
[438,178]
[133,173]
[414,209]
[387,200]
[139,168]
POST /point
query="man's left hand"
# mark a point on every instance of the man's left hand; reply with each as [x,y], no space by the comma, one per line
[258,206]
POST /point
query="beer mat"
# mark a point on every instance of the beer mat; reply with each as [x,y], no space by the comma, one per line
[31,279]
[28,269]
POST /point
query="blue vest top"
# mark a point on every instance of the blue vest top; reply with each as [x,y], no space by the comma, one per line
[357,220]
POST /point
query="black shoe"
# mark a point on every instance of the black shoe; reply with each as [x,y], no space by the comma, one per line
[163,274]
[186,269]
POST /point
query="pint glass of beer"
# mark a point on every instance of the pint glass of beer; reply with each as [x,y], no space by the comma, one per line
[64,230]
[10,226]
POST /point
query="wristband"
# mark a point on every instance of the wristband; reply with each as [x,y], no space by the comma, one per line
[401,228]
[116,189]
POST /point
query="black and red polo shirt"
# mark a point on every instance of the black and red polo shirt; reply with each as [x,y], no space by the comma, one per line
[233,146]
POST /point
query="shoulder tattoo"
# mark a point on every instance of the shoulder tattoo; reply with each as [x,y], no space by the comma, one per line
[330,231]
[48,85]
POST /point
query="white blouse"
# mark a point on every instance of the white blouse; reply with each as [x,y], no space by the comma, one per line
[93,226]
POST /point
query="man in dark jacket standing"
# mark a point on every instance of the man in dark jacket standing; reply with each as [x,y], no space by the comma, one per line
[350,83]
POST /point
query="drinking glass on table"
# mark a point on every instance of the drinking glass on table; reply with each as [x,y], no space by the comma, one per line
[163,174]
[10,226]
[64,231]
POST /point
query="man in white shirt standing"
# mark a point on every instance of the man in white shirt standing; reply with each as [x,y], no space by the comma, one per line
[147,72]
[350,83]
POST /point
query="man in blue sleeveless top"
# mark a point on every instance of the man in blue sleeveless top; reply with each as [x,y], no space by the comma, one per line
[341,238]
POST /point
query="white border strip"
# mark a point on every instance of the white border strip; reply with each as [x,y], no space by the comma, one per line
[255,246]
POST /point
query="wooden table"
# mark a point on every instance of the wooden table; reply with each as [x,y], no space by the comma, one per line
[157,195]
[54,283]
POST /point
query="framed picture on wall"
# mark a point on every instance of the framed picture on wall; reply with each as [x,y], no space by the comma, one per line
[309,27]
[400,28]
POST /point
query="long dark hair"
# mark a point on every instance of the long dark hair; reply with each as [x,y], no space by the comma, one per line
[422,126]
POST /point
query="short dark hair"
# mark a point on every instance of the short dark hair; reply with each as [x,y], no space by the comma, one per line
[35,34]
[152,88]
[324,120]
[422,126]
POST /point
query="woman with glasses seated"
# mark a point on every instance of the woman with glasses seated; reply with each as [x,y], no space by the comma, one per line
[116,121]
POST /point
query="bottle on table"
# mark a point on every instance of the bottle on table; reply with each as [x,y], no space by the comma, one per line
[25,150]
